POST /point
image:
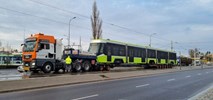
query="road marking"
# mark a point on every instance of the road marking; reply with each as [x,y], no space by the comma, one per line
[81,98]
[170,80]
[188,76]
[142,85]
[199,74]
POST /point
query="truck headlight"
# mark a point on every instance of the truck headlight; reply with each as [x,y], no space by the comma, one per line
[33,64]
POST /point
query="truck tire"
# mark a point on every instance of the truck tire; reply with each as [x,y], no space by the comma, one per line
[77,66]
[47,68]
[86,66]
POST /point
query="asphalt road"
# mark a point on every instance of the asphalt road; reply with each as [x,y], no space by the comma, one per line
[170,86]
[9,74]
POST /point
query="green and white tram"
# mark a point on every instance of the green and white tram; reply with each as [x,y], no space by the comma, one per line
[114,53]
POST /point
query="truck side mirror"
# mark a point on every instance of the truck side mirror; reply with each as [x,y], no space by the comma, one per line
[23,44]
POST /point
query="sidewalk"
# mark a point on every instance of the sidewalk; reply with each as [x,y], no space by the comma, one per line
[204,95]
[67,79]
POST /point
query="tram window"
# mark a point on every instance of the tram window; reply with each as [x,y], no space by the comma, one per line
[143,53]
[137,52]
[121,51]
[114,50]
[130,52]
[172,56]
[109,50]
[151,53]
[102,48]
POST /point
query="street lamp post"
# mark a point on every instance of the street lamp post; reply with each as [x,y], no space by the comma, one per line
[69,31]
[150,38]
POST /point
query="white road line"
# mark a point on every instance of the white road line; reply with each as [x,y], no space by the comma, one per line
[170,80]
[199,74]
[81,98]
[142,85]
[188,76]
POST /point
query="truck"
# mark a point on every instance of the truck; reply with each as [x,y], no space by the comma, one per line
[45,53]
[184,61]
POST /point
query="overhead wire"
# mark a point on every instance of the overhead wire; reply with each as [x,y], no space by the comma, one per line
[109,23]
[84,16]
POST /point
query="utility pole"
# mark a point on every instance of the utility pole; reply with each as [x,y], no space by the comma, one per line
[150,38]
[171,45]
[24,37]
[0,43]
[194,57]
[80,46]
[180,59]
[7,59]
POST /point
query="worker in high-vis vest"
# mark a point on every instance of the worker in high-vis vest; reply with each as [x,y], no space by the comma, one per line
[68,62]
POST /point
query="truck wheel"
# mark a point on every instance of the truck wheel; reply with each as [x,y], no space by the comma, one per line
[47,68]
[86,66]
[77,66]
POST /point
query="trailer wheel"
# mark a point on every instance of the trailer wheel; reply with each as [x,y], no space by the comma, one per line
[77,66]
[86,66]
[107,68]
[47,68]
[101,68]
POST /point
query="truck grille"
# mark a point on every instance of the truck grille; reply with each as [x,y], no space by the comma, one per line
[27,56]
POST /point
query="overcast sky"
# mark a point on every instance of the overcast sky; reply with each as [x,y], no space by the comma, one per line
[188,23]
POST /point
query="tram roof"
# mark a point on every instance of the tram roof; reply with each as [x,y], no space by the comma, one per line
[129,44]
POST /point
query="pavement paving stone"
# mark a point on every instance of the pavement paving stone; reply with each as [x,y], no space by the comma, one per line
[207,95]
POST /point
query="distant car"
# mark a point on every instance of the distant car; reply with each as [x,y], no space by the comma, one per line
[20,69]
[209,63]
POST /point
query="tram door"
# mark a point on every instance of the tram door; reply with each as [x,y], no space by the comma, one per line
[109,53]
[131,55]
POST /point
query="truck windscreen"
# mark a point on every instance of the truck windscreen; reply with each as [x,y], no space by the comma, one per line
[29,46]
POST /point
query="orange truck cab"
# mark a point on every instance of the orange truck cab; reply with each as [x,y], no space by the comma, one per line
[42,52]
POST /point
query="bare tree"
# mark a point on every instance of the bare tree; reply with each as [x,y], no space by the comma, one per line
[208,56]
[194,52]
[96,23]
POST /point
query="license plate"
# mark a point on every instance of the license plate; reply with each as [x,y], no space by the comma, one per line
[26,68]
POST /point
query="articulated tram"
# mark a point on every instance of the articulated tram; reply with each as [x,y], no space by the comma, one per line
[11,60]
[116,53]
